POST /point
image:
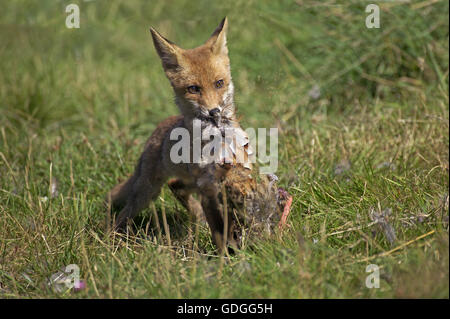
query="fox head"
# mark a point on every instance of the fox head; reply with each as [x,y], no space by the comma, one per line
[200,77]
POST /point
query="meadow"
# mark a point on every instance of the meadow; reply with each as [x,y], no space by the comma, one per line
[363,121]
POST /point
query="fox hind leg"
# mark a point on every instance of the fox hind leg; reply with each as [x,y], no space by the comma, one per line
[117,197]
[141,192]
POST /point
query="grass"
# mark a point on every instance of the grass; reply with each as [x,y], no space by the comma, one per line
[363,121]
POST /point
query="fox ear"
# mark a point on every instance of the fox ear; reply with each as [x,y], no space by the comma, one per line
[167,50]
[218,40]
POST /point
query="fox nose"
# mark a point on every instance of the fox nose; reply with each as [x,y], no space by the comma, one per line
[214,111]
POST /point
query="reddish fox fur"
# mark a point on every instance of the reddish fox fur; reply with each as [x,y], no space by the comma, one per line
[201,80]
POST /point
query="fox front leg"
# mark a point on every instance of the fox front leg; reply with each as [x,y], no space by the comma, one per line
[183,193]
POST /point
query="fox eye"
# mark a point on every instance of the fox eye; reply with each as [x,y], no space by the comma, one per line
[219,84]
[193,89]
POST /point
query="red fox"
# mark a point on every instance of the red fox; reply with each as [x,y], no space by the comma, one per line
[203,88]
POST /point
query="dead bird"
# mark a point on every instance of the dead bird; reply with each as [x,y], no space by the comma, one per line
[255,204]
